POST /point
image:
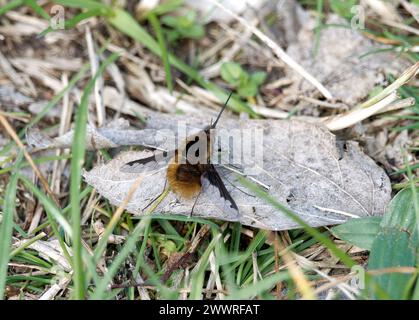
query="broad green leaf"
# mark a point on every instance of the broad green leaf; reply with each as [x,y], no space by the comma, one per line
[396,245]
[393,248]
[359,232]
[401,212]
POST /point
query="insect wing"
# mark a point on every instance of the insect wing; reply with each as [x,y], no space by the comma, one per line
[151,163]
[214,189]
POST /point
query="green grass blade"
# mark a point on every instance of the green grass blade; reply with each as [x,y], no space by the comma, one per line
[197,278]
[129,246]
[257,240]
[258,288]
[53,214]
[178,217]
[84,4]
[163,49]
[78,151]
[6,227]
[71,23]
[37,8]
[37,161]
[414,189]
[167,6]
[48,204]
[27,244]
[10,6]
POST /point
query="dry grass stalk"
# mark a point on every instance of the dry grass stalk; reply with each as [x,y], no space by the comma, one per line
[295,271]
[14,136]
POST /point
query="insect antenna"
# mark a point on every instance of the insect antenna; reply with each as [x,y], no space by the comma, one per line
[219,115]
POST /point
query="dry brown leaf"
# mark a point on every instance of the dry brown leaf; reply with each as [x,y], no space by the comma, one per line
[323,180]
[342,62]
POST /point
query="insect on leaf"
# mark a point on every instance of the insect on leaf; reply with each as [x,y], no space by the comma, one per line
[324,181]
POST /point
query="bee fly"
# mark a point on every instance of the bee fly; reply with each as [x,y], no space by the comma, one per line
[189,171]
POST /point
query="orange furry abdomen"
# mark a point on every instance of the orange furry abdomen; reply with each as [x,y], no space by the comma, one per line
[182,183]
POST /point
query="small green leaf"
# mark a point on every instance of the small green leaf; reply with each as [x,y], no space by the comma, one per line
[343,7]
[359,232]
[258,77]
[187,20]
[184,26]
[170,21]
[250,89]
[172,35]
[194,32]
[232,73]
[167,6]
[190,15]
[168,246]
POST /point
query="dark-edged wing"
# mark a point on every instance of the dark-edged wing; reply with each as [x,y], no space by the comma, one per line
[214,188]
[158,160]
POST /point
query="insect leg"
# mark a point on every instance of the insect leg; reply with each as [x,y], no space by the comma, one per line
[196,200]
[160,194]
